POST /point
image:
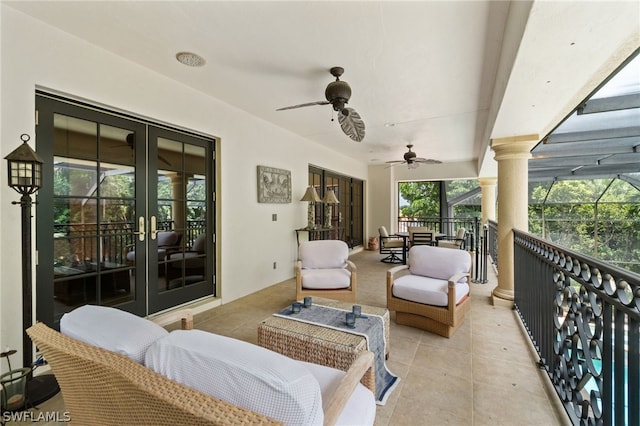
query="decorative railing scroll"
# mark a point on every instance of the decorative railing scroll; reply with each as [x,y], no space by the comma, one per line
[583,317]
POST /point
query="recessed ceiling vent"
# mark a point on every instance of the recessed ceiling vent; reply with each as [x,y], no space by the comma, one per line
[190,59]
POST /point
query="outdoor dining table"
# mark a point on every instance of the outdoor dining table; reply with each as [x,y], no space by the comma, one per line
[405,237]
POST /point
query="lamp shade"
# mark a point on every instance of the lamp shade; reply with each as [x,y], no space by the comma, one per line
[25,168]
[330,197]
[310,195]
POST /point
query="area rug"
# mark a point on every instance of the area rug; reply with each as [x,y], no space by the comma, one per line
[371,327]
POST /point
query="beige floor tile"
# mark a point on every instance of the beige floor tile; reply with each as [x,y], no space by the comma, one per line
[496,405]
[485,374]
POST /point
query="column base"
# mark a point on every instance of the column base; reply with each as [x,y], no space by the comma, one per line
[501,297]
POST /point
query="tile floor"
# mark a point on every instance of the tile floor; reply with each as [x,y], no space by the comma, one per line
[484,375]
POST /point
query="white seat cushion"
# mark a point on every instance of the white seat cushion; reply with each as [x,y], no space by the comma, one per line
[240,373]
[323,279]
[429,291]
[360,408]
[112,329]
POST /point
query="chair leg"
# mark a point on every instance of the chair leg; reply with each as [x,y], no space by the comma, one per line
[392,258]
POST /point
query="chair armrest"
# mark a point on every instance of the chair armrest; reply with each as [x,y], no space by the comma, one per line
[451,294]
[454,279]
[362,364]
[185,316]
[393,271]
[351,266]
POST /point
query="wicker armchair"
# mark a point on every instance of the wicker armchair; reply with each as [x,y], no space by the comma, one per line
[101,387]
[324,270]
[432,292]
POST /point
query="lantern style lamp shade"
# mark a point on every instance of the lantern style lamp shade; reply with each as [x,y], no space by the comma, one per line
[312,197]
[329,199]
[25,168]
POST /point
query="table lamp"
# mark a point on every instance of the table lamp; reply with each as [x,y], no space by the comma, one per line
[312,197]
[329,199]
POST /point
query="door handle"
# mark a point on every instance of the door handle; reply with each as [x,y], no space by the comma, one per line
[153,229]
[140,233]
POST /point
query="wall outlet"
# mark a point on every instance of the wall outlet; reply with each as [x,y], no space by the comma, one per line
[274,217]
[274,265]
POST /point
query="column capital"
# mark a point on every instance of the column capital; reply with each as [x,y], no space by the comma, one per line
[488,181]
[514,147]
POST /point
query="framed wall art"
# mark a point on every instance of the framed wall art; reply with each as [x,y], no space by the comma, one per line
[274,185]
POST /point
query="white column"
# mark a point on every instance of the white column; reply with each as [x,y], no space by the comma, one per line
[511,154]
[488,187]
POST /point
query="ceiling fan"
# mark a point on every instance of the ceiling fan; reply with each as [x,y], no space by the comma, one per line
[338,93]
[412,161]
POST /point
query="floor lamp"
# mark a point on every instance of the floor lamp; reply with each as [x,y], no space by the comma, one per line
[25,176]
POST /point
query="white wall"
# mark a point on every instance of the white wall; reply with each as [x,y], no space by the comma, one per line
[37,55]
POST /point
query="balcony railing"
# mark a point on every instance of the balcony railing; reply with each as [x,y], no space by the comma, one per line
[475,237]
[583,317]
[109,241]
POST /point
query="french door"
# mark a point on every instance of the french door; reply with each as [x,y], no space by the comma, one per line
[125,216]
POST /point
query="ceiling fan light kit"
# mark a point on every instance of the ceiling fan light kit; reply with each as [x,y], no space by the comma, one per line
[338,93]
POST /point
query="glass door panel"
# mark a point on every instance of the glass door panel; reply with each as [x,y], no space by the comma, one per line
[178,200]
[86,211]
[94,205]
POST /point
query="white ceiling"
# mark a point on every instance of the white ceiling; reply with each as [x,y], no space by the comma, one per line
[446,76]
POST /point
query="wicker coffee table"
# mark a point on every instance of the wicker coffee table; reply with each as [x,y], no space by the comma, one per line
[317,344]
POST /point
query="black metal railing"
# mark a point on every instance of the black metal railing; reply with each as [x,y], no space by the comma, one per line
[107,242]
[481,259]
[492,241]
[448,226]
[474,237]
[583,317]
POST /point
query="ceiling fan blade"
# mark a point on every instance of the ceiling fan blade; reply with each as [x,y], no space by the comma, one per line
[304,105]
[352,124]
[395,161]
[427,161]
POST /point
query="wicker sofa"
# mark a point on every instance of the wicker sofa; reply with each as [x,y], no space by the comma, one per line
[104,387]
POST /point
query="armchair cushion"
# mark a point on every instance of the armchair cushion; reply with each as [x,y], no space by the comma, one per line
[168,238]
[432,262]
[322,279]
[112,329]
[323,254]
[200,244]
[428,291]
[240,373]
